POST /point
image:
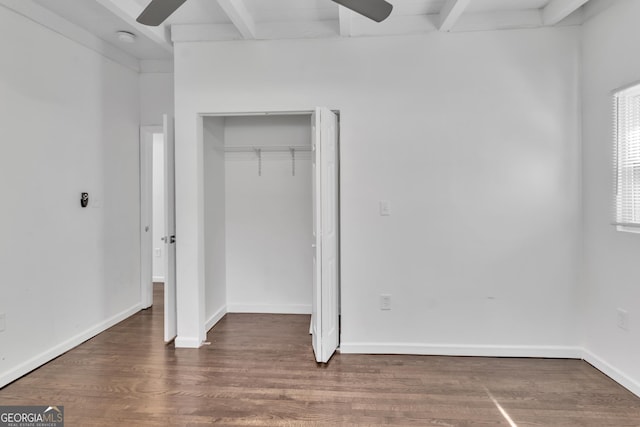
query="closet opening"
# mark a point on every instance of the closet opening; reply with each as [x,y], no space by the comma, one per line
[270,186]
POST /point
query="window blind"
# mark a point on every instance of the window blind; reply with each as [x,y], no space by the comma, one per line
[627,156]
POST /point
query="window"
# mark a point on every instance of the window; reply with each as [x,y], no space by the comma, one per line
[626,157]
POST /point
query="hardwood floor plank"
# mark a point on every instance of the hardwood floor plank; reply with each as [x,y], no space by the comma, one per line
[259,370]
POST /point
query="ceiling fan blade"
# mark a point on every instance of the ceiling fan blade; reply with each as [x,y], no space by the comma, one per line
[158,10]
[378,10]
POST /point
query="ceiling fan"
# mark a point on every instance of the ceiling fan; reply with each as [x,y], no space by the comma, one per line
[159,10]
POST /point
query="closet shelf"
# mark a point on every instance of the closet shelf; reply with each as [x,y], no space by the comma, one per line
[264,149]
[292,149]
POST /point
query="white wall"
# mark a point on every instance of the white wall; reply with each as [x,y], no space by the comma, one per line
[156,96]
[69,121]
[159,255]
[215,220]
[611,259]
[268,217]
[473,137]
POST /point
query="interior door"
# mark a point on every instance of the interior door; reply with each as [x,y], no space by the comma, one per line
[324,318]
[170,310]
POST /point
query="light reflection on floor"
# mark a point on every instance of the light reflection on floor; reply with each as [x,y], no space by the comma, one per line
[501,409]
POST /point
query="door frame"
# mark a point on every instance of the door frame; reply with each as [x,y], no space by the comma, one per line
[146,213]
[189,343]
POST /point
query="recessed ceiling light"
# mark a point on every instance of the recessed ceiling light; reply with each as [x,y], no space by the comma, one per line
[126,36]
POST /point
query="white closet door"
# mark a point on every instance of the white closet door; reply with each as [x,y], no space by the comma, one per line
[170,310]
[324,320]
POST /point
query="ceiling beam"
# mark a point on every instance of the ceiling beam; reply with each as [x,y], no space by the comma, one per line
[557,10]
[394,25]
[203,32]
[344,19]
[237,12]
[451,12]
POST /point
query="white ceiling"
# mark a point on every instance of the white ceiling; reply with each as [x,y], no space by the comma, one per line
[96,19]
[212,20]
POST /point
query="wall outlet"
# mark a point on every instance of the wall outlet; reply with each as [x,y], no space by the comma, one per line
[623,319]
[385,208]
[385,302]
[3,322]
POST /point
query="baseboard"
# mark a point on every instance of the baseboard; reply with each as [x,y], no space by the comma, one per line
[187,342]
[556,352]
[65,346]
[615,374]
[215,318]
[158,279]
[270,308]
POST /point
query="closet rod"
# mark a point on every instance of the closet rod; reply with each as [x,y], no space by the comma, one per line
[283,148]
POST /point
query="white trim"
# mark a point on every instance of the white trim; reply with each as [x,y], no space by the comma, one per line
[558,352]
[270,308]
[557,10]
[615,374]
[237,12]
[499,20]
[250,113]
[393,25]
[298,30]
[595,7]
[344,20]
[204,32]
[156,279]
[43,16]
[451,11]
[632,88]
[215,318]
[187,342]
[628,229]
[39,360]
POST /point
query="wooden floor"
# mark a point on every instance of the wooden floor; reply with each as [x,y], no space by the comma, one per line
[259,370]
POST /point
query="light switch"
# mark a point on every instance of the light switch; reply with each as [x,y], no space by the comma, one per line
[385,208]
[158,252]
[385,302]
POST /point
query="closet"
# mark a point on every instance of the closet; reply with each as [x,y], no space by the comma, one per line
[270,234]
[258,214]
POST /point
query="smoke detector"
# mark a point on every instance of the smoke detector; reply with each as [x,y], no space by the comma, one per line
[126,36]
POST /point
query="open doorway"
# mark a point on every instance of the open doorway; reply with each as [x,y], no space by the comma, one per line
[158,233]
[271,226]
[157,221]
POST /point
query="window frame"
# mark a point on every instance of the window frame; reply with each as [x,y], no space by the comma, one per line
[621,136]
